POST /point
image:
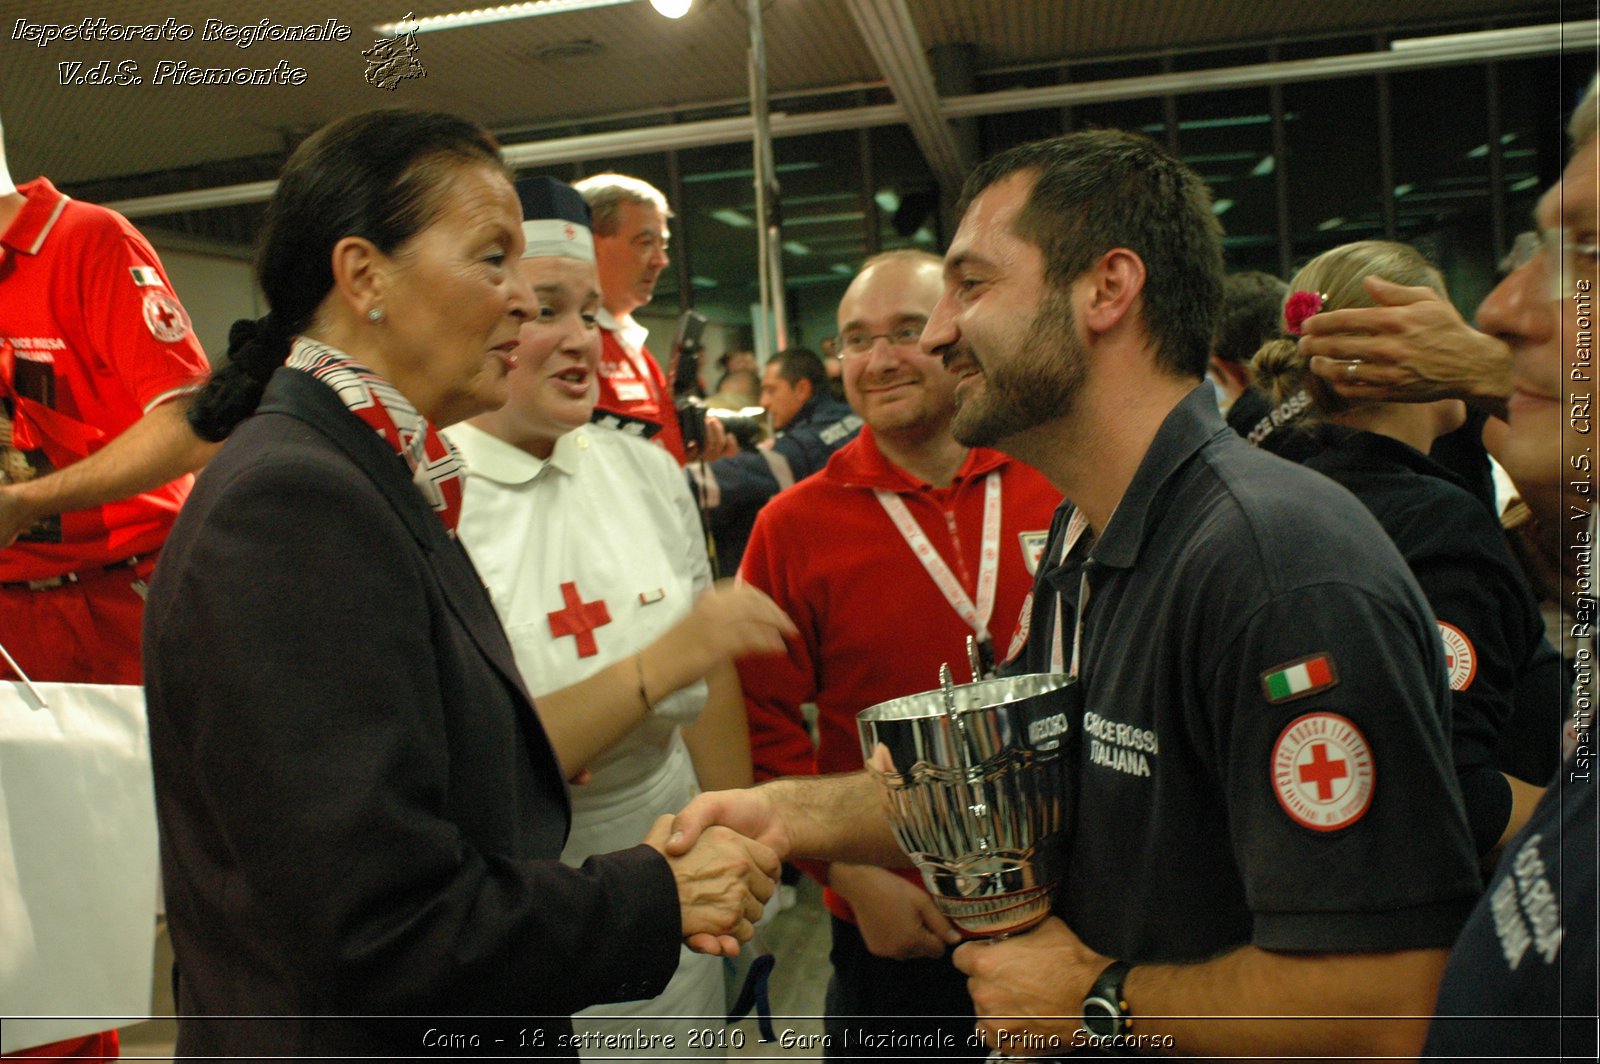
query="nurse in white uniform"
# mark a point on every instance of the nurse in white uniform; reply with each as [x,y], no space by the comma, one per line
[591,548]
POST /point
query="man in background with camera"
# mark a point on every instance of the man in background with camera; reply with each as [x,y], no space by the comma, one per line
[809,424]
[630,243]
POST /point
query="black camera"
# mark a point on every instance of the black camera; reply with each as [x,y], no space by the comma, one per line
[747,426]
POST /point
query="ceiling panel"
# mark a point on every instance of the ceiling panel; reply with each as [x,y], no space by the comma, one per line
[502,74]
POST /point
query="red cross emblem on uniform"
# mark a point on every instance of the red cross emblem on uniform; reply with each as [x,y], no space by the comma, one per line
[1320,772]
[164,316]
[1323,771]
[579,619]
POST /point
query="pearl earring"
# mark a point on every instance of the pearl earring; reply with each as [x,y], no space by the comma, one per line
[375,315]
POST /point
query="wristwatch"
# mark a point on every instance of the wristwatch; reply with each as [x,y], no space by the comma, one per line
[1105,1010]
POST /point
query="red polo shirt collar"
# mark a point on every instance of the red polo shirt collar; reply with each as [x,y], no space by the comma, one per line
[43,206]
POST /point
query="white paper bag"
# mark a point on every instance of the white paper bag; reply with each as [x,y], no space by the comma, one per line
[77,861]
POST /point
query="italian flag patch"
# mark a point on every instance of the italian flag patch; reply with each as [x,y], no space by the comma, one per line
[1298,679]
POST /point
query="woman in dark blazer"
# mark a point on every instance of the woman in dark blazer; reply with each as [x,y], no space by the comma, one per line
[360,813]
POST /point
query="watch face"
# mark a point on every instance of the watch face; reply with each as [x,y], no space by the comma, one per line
[1101,1016]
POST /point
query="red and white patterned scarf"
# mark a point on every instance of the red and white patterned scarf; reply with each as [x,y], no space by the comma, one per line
[435,466]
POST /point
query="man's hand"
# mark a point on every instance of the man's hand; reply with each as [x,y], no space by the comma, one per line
[723,880]
[720,443]
[751,813]
[897,919]
[748,812]
[1033,983]
[159,447]
[1412,347]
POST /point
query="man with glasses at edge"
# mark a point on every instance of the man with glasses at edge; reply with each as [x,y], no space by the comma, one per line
[1521,979]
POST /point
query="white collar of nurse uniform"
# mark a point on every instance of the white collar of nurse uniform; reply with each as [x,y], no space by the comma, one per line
[494,459]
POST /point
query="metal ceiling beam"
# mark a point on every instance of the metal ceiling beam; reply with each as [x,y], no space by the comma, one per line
[890,36]
[1466,48]
[1554,39]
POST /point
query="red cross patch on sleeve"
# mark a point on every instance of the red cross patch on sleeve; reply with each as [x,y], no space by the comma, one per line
[1322,771]
[165,316]
[1460,659]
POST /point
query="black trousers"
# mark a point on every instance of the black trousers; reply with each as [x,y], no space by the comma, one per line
[911,1009]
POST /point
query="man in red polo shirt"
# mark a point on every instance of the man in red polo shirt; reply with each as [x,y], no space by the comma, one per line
[96,359]
[630,246]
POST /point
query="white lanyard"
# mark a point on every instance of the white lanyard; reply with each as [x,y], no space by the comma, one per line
[975,616]
[1077,524]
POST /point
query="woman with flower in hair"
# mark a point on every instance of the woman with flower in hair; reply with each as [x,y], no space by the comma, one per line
[1495,650]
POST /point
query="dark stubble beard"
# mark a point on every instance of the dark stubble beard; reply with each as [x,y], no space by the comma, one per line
[1037,384]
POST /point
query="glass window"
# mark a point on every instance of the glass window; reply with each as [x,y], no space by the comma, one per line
[1333,164]
[1147,115]
[716,228]
[1226,137]
[1443,202]
[824,228]
[906,194]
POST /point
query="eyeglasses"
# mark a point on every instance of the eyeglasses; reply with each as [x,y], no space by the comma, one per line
[1558,247]
[857,344]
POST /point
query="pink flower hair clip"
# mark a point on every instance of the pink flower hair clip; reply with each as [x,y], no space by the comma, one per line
[1300,306]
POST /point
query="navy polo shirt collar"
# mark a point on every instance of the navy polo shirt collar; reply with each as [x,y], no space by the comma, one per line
[1193,423]
[1332,446]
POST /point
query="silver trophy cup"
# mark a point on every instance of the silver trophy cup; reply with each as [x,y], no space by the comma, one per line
[976,778]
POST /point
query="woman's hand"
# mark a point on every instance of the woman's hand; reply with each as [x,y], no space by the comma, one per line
[730,620]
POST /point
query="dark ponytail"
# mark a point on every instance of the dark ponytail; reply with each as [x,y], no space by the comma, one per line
[380,175]
[256,347]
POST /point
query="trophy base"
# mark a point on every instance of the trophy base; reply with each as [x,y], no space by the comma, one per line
[997,915]
[993,894]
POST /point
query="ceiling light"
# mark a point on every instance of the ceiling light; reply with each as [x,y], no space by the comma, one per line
[823,219]
[888,201]
[1210,123]
[703,282]
[728,175]
[794,247]
[1267,164]
[806,280]
[672,8]
[842,269]
[1401,190]
[729,216]
[484,15]
[1221,206]
[1329,223]
[1219,157]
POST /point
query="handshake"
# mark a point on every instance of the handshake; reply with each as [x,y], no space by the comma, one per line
[725,851]
[724,881]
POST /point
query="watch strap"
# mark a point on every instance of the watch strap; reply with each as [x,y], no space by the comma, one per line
[1105,1005]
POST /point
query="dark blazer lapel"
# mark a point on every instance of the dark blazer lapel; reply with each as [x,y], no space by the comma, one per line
[301,396]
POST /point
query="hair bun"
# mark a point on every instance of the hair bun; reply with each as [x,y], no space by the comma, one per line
[256,348]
